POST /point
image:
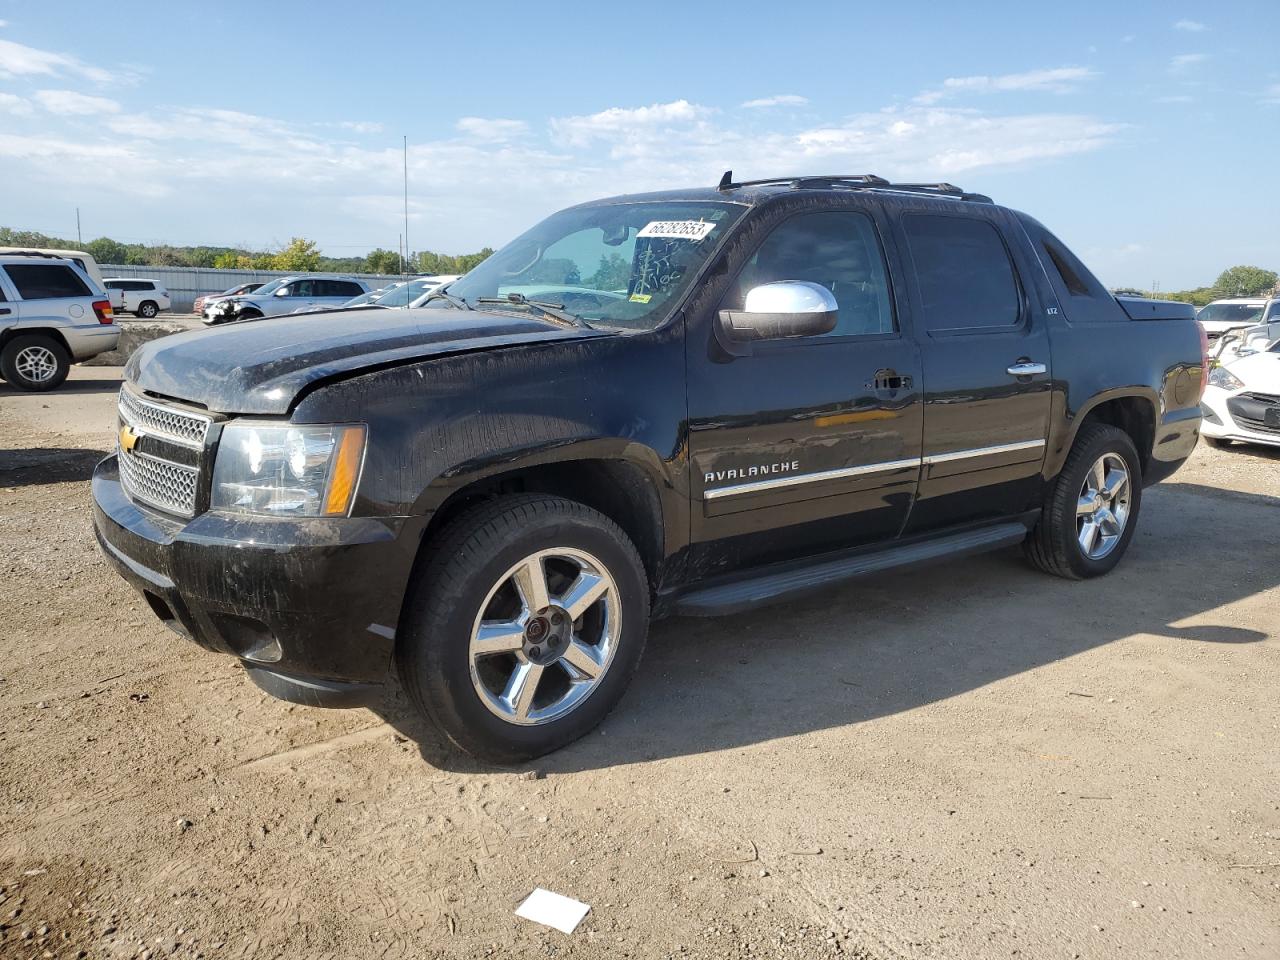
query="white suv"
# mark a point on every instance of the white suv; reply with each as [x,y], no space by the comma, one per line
[142,298]
[287,295]
[1223,315]
[51,315]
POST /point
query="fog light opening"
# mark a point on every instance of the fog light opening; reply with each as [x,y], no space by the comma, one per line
[248,638]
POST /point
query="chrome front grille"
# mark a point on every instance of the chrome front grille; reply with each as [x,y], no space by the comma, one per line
[160,483]
[180,426]
[160,464]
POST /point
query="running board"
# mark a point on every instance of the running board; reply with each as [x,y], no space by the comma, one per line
[783,582]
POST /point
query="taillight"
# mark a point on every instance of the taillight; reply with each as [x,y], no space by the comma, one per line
[1204,361]
[102,308]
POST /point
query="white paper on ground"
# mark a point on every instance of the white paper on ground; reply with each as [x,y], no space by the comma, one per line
[553,910]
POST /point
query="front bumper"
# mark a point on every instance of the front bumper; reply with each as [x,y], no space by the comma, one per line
[310,606]
[1221,423]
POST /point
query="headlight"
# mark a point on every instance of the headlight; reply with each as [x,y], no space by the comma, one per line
[283,470]
[1223,379]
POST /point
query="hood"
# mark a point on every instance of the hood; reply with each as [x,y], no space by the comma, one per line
[261,367]
[1258,371]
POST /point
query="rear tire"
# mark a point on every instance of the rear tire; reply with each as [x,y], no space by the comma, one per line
[1092,507]
[35,362]
[527,589]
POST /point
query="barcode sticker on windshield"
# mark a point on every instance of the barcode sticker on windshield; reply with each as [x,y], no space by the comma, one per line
[677,229]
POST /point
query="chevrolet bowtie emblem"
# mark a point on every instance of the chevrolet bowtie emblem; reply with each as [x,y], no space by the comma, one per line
[128,439]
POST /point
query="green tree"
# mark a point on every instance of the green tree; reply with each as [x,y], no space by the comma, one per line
[1243,281]
[614,273]
[300,255]
[106,250]
[382,261]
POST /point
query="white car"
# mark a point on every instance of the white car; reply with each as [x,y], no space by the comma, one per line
[142,298]
[287,295]
[1222,315]
[429,285]
[1242,398]
[52,314]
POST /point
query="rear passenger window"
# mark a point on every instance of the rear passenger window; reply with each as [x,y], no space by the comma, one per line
[343,288]
[1081,296]
[838,250]
[963,271]
[46,281]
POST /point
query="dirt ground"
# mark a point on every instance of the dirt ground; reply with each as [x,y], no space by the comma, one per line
[970,761]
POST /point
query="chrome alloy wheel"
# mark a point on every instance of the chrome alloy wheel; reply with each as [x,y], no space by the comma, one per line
[545,636]
[1103,508]
[36,364]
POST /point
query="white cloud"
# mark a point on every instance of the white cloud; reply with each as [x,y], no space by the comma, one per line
[19,60]
[219,176]
[1184,61]
[11,103]
[496,129]
[626,121]
[360,126]
[1052,80]
[1271,94]
[781,100]
[71,103]
[1190,26]
[4,23]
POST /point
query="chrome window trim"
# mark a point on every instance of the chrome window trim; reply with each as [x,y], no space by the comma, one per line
[983,451]
[797,479]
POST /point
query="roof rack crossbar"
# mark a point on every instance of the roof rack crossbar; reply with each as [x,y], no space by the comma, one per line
[856,181]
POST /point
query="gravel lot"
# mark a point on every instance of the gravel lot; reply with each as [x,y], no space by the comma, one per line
[970,761]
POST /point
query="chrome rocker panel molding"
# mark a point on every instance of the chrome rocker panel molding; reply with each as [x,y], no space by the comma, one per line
[887,466]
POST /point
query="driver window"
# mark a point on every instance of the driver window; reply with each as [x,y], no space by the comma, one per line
[838,250]
[303,288]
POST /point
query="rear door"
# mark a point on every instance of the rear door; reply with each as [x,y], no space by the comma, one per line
[987,369]
[9,307]
[806,444]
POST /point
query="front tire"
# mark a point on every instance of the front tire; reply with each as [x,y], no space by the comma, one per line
[34,362]
[147,310]
[1092,507]
[524,626]
[1221,443]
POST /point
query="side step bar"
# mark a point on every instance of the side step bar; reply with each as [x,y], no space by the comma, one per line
[783,582]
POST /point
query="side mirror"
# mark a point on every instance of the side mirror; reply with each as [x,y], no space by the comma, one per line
[283,292]
[788,308]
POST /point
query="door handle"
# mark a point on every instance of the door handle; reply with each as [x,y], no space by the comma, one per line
[5,311]
[1026,368]
[889,381]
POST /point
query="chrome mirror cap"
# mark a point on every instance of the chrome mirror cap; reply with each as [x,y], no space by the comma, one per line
[787,308]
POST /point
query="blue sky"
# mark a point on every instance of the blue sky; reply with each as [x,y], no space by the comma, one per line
[1145,134]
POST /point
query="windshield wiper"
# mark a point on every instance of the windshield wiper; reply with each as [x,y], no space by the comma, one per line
[553,310]
[440,293]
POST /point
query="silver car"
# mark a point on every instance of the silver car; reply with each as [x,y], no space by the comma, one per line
[52,314]
[287,295]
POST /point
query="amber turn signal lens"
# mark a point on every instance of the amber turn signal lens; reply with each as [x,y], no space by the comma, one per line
[345,473]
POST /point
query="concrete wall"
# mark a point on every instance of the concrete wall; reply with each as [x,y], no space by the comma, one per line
[186,283]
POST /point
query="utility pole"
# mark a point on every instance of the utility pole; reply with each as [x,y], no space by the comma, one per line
[406,202]
[79,241]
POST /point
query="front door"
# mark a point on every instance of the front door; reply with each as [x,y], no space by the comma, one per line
[985,352]
[813,443]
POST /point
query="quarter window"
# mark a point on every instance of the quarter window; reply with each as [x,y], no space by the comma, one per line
[839,250]
[46,281]
[963,271]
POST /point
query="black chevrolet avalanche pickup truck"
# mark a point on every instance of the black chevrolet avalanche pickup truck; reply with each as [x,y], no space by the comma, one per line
[692,402]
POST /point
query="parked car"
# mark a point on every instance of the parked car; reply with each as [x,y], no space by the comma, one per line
[142,298]
[403,293]
[81,259]
[721,398]
[208,299]
[52,314]
[1222,315]
[1242,400]
[286,295]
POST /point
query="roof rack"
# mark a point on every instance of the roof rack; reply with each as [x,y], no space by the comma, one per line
[32,253]
[856,181]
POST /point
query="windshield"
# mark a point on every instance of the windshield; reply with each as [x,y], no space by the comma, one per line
[272,287]
[621,265]
[1242,313]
